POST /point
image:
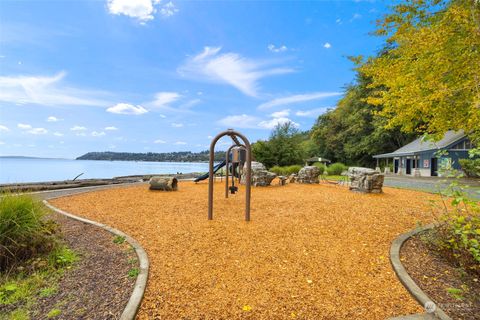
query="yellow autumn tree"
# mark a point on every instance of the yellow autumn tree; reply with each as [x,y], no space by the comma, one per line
[427,79]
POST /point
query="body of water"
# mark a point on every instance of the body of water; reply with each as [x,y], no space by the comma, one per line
[13,170]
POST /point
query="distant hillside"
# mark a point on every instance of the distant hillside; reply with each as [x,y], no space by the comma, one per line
[184,156]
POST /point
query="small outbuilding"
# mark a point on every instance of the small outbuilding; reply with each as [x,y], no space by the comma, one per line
[422,158]
[311,161]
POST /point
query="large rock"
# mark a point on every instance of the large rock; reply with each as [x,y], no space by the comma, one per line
[365,180]
[260,176]
[308,174]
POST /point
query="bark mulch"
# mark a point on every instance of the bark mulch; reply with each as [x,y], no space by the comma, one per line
[310,251]
[436,276]
[98,285]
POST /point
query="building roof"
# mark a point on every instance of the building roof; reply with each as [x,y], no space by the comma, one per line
[317,159]
[420,145]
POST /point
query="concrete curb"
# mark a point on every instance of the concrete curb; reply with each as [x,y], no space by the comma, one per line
[133,304]
[408,282]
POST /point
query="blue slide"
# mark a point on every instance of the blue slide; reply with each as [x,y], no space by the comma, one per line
[215,169]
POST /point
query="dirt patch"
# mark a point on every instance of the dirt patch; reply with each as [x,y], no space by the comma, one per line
[98,286]
[310,251]
[454,291]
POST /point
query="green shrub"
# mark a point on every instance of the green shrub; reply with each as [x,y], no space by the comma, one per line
[278,170]
[457,233]
[336,169]
[23,230]
[285,171]
[320,166]
[293,169]
[471,167]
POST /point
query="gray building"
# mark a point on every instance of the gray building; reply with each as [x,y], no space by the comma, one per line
[422,158]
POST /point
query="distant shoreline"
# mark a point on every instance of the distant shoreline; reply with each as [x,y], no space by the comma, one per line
[42,158]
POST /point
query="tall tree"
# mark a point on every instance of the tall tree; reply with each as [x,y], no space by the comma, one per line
[429,79]
[353,132]
[286,146]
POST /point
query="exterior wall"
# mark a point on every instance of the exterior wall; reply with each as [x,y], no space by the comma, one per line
[456,155]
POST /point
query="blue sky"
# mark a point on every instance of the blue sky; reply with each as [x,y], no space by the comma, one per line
[159,76]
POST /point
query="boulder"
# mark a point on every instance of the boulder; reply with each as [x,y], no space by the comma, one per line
[308,174]
[260,176]
[164,183]
[292,178]
[365,180]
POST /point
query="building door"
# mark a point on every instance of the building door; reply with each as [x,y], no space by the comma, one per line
[434,167]
[409,166]
[395,166]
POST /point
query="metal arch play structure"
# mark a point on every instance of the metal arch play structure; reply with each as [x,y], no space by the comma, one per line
[238,160]
[237,150]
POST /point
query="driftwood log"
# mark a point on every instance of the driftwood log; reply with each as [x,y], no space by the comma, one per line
[164,183]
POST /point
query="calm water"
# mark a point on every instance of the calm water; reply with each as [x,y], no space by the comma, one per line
[36,170]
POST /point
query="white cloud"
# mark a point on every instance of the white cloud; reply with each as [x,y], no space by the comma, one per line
[281,114]
[164,99]
[313,113]
[81,134]
[46,90]
[126,108]
[58,134]
[327,45]
[78,128]
[139,9]
[272,123]
[24,126]
[168,9]
[37,131]
[296,99]
[1,142]
[239,121]
[4,128]
[230,68]
[272,48]
[111,128]
[355,16]
[162,116]
[53,119]
[176,125]
[97,134]
[180,143]
[142,10]
[159,141]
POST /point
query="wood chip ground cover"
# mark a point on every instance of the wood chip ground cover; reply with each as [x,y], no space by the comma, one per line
[310,251]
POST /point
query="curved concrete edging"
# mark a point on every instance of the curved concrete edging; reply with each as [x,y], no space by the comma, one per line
[408,282]
[133,304]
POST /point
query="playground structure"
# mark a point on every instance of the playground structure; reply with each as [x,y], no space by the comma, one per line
[238,155]
[241,159]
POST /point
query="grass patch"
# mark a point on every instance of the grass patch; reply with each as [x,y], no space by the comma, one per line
[133,273]
[54,313]
[24,231]
[32,256]
[22,289]
[334,178]
[119,239]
